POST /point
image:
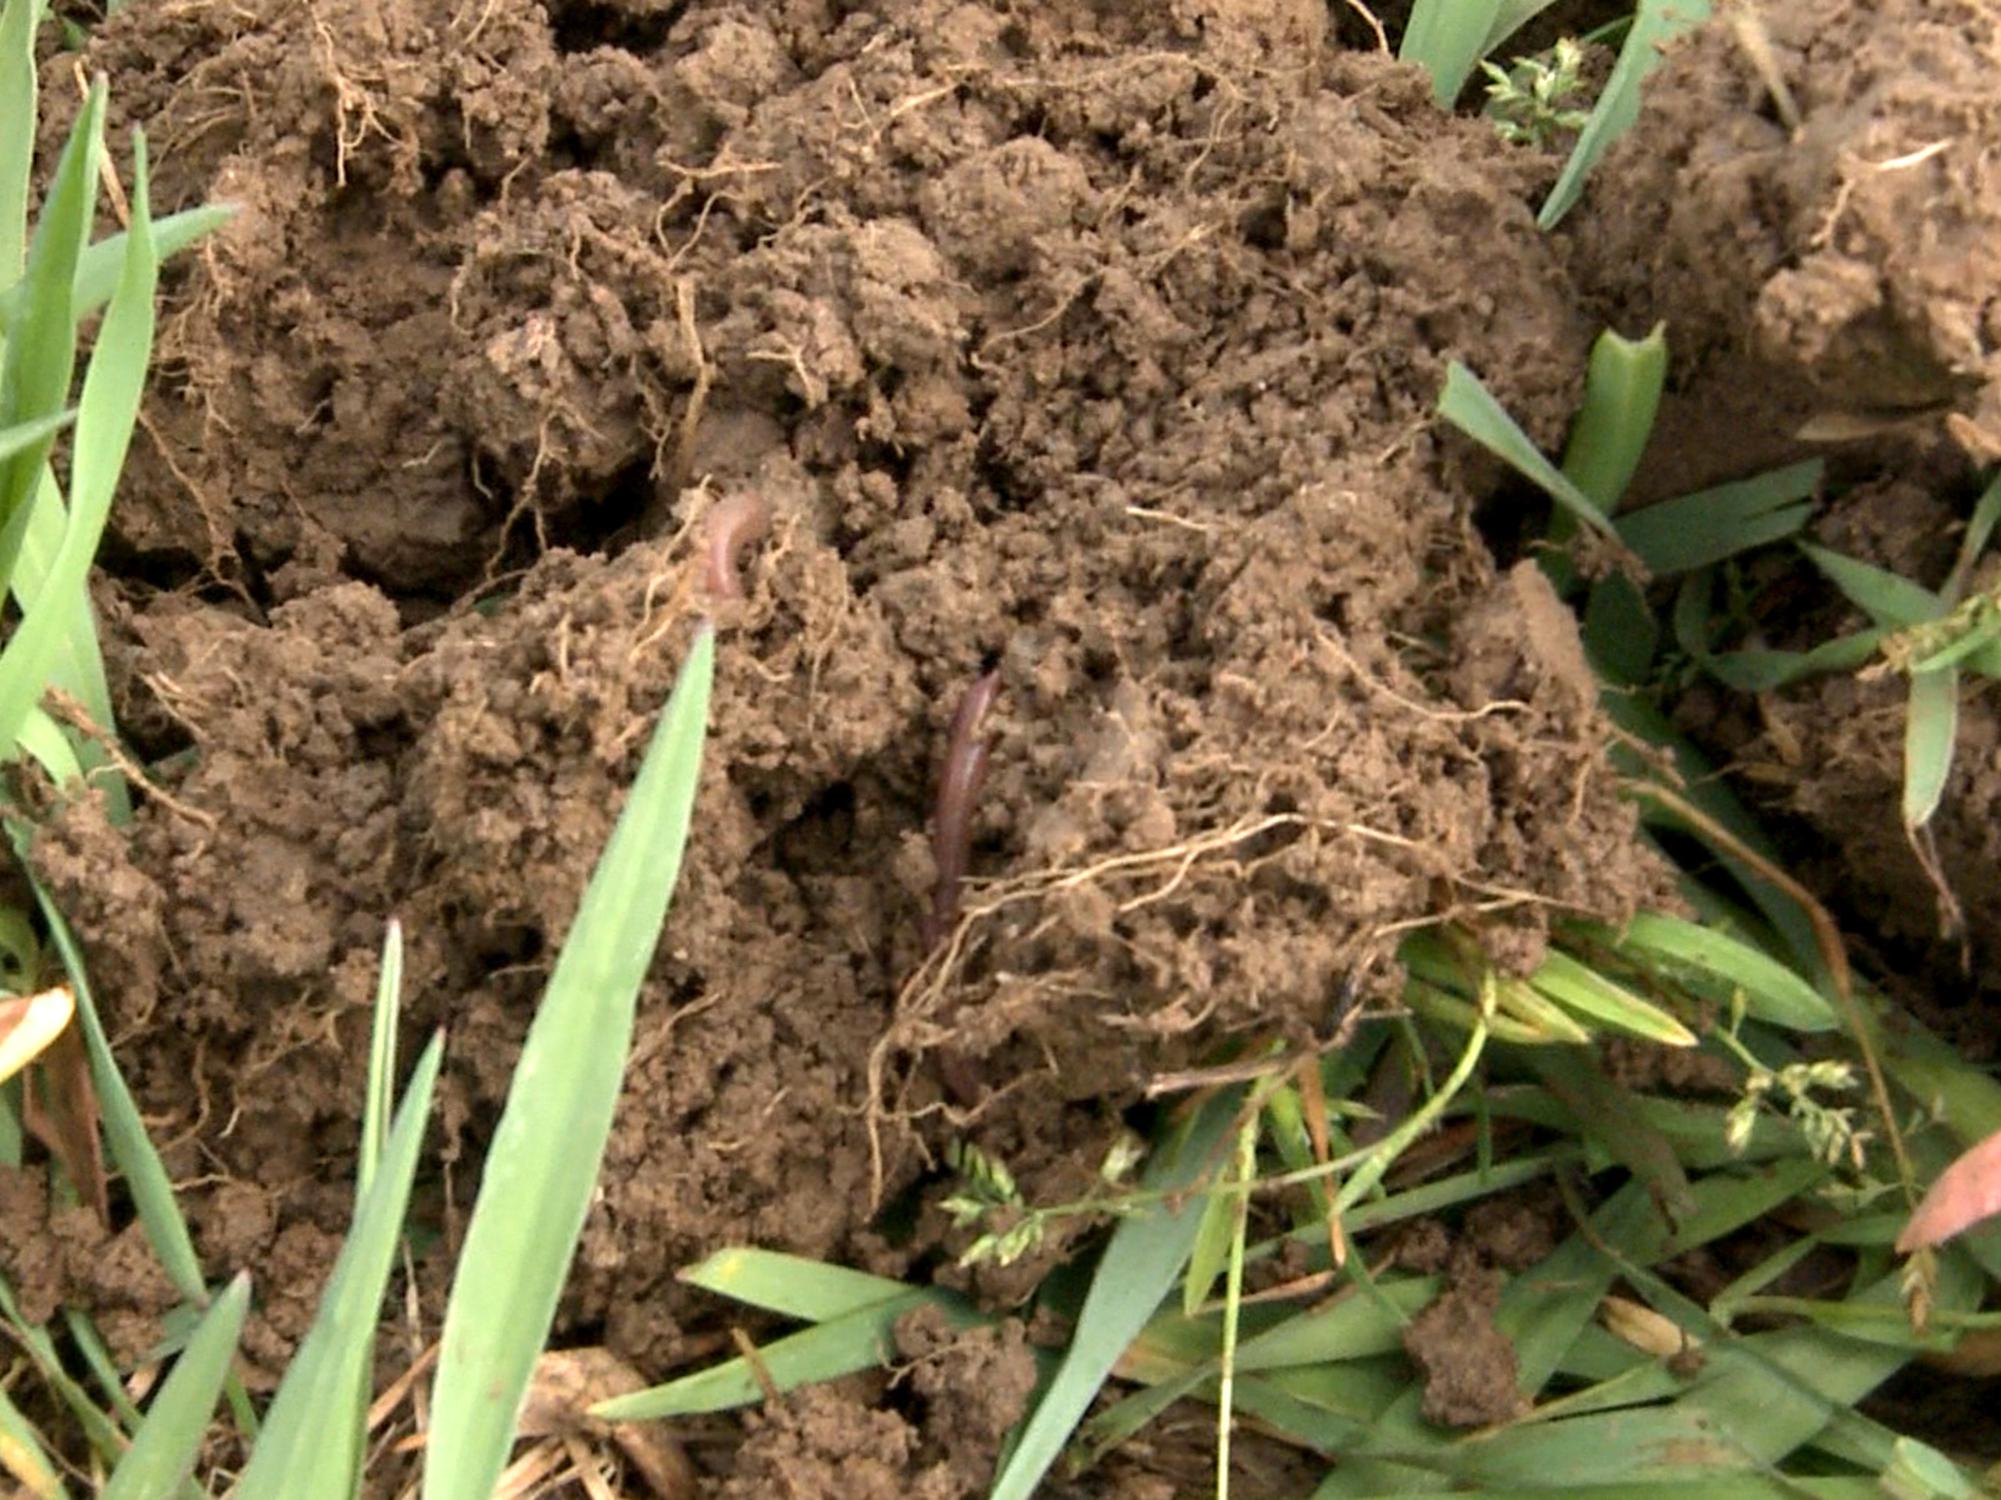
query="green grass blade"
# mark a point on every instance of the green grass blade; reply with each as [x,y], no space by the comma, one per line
[164,1449]
[19,20]
[791,1285]
[99,1430]
[1622,394]
[1695,530]
[24,435]
[1654,23]
[312,1443]
[41,348]
[1761,671]
[379,1103]
[78,664]
[1447,38]
[1620,632]
[1979,532]
[1585,992]
[130,1147]
[1210,1252]
[542,1166]
[103,1366]
[1471,407]
[1352,1328]
[98,269]
[1146,1254]
[105,417]
[1889,599]
[1511,16]
[864,1339]
[1931,724]
[1772,992]
[1977,642]
[26,1459]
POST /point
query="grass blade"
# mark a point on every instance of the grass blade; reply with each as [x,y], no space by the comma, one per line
[860,1340]
[1447,38]
[98,269]
[1654,23]
[1931,723]
[542,1166]
[1471,407]
[1772,992]
[1695,530]
[130,1147]
[1146,1253]
[163,1451]
[105,417]
[311,1445]
[41,350]
[19,20]
[1585,992]
[1889,599]
[1609,1114]
[23,1456]
[23,435]
[791,1285]
[1622,393]
[1511,16]
[376,1108]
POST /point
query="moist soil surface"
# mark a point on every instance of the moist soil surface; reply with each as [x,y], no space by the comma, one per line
[1090,346]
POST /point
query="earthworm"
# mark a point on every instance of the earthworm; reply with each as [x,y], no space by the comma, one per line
[733,525]
[959,781]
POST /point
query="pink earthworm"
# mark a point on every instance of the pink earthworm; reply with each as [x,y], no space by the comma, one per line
[733,525]
[959,781]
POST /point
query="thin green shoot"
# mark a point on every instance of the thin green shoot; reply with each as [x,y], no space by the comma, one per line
[1145,1256]
[313,1439]
[379,1103]
[1238,1198]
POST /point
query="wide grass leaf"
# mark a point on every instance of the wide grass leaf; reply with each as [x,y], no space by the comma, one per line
[164,1449]
[1622,393]
[1144,1257]
[1772,992]
[542,1166]
[101,264]
[1447,38]
[311,1447]
[1695,530]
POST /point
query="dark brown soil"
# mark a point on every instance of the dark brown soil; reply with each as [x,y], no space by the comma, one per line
[1091,343]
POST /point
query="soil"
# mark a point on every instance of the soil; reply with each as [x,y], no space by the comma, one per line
[1087,344]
